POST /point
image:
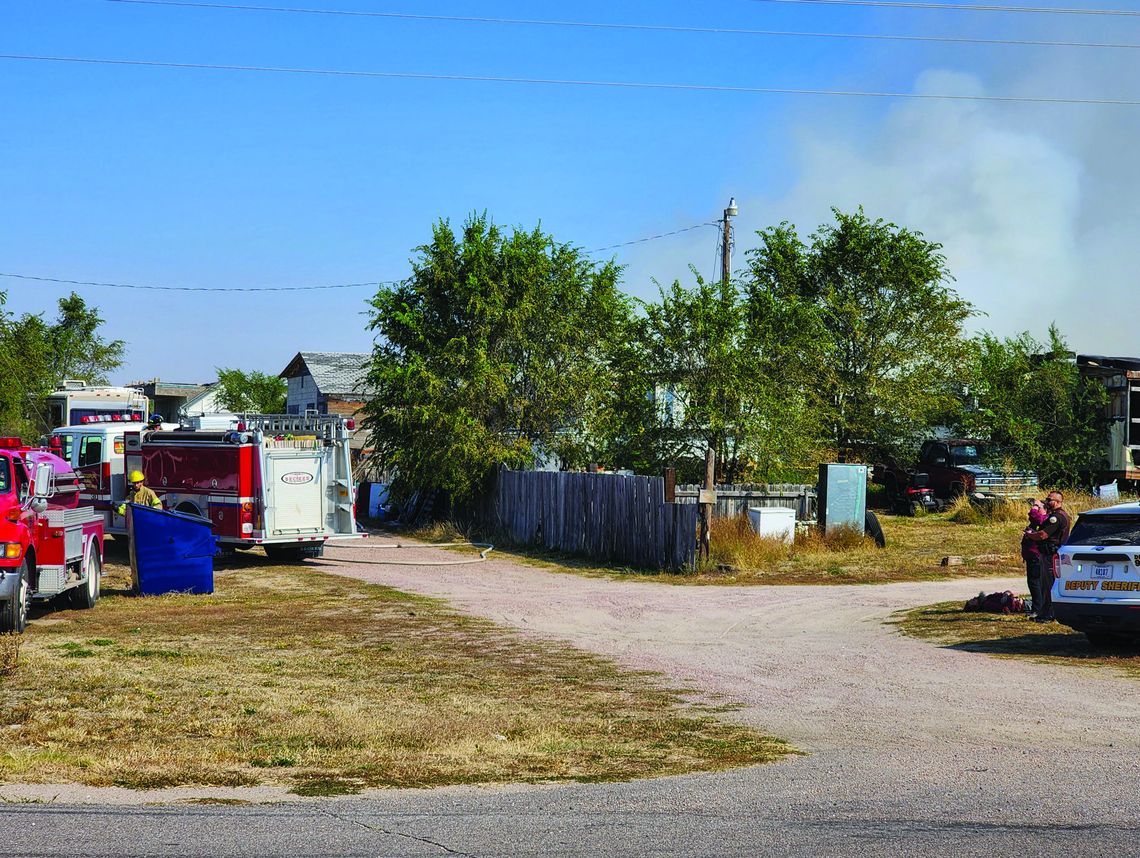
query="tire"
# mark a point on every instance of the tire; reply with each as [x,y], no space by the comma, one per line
[86,596]
[279,553]
[1103,640]
[14,611]
[873,529]
[916,508]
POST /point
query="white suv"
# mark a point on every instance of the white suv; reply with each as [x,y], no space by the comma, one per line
[1097,588]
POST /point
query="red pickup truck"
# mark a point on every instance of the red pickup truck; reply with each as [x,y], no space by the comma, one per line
[48,544]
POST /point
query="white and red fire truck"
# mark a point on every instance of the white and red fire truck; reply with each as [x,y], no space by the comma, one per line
[48,544]
[78,403]
[280,481]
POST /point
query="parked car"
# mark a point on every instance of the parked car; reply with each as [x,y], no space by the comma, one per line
[1097,586]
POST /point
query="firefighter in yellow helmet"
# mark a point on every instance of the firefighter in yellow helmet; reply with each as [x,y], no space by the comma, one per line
[138,493]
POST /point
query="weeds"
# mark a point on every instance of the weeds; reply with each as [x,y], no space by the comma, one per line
[9,654]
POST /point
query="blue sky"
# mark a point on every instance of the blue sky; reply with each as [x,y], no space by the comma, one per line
[223,178]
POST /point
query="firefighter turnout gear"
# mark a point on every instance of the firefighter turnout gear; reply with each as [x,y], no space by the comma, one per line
[140,494]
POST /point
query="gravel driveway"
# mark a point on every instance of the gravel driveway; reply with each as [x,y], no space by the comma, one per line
[881,714]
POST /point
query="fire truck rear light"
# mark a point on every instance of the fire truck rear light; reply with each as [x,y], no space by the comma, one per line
[11,550]
[137,417]
[57,533]
[10,443]
[350,424]
[115,418]
[247,527]
[247,507]
[241,426]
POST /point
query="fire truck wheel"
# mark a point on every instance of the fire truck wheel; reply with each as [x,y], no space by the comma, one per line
[293,553]
[14,611]
[87,595]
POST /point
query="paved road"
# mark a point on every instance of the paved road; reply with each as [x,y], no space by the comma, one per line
[912,749]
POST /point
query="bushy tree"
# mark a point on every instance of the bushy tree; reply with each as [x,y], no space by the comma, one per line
[1030,399]
[496,349]
[37,355]
[884,331]
[255,392]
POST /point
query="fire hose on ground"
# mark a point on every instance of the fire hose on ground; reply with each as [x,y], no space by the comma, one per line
[486,548]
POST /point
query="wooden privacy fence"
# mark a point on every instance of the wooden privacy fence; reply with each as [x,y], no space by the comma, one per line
[734,500]
[606,517]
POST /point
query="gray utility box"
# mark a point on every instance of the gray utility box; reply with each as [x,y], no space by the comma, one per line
[842,496]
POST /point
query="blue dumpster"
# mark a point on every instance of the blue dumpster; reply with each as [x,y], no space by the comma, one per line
[171,552]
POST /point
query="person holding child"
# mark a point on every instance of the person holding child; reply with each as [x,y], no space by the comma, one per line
[1049,536]
[1031,553]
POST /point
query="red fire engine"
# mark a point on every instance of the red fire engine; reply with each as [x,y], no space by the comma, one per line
[48,544]
[283,482]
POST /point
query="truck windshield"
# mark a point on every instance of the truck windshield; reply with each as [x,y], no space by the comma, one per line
[967,454]
[1120,529]
[5,476]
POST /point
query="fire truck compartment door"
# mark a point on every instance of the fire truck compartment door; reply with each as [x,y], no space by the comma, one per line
[298,494]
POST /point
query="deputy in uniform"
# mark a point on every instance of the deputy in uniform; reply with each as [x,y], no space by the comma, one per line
[1051,535]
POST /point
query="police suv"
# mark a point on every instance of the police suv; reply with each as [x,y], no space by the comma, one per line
[1097,575]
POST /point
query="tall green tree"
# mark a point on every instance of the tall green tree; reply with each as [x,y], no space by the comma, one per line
[37,355]
[706,369]
[255,392]
[887,340]
[1030,399]
[497,348]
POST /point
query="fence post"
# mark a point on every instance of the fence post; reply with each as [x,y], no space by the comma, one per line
[670,485]
[707,502]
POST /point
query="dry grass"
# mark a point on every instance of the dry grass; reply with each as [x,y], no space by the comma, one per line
[9,653]
[290,676]
[915,548]
[1012,636]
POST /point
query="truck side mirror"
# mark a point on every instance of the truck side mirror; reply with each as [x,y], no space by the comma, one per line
[44,480]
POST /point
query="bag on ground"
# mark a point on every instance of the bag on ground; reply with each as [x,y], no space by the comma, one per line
[1005,602]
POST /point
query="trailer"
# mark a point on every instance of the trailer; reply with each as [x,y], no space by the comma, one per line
[1121,379]
[279,481]
[49,545]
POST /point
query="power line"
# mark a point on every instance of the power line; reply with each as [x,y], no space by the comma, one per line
[662,28]
[198,288]
[372,283]
[675,87]
[962,7]
[651,237]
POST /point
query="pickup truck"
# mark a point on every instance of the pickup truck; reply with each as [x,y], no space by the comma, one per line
[960,466]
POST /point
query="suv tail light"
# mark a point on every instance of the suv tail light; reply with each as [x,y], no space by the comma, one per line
[1056,566]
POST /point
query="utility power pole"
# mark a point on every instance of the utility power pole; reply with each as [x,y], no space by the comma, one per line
[726,241]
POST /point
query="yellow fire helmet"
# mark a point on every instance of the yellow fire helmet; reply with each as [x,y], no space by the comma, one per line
[136,477]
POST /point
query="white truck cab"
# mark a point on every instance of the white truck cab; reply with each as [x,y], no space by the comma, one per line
[1097,584]
[95,451]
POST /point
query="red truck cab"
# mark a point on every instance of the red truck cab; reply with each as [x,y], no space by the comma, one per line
[48,544]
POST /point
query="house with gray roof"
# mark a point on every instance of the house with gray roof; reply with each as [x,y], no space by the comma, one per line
[326,383]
